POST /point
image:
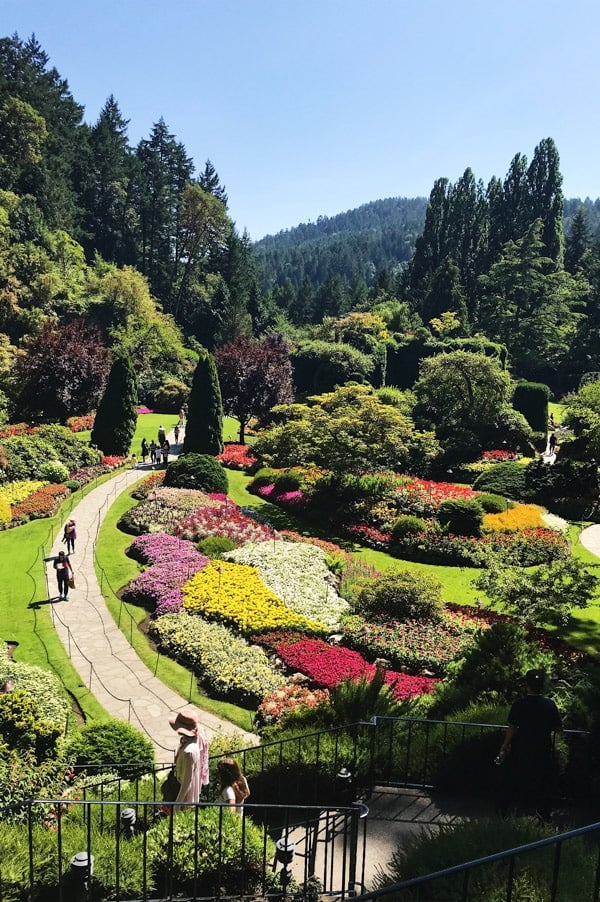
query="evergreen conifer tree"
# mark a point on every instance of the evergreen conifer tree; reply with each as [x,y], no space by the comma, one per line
[116,416]
[204,429]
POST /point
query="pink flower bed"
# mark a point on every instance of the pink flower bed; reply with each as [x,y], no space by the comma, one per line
[173,562]
[224,519]
[289,698]
[237,457]
[327,665]
[288,499]
[143,409]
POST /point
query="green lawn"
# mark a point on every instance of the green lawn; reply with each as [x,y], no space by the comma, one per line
[146,427]
[24,607]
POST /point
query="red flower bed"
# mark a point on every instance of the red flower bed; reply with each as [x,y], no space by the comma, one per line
[16,429]
[41,503]
[80,424]
[427,492]
[498,456]
[327,665]
[113,460]
[237,457]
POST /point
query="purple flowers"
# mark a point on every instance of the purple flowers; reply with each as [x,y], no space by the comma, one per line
[173,561]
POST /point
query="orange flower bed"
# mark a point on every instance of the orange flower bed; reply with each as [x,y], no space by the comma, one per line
[42,503]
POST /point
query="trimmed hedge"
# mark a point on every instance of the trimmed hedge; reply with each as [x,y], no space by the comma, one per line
[507,478]
[197,471]
[531,399]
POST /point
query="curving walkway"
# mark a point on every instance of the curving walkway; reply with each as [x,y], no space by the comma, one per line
[104,659]
[590,538]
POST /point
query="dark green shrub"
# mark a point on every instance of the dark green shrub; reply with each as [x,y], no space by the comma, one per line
[401,595]
[69,449]
[171,396]
[215,546]
[288,481]
[461,517]
[507,478]
[565,478]
[407,525]
[72,484]
[204,428]
[426,852]
[531,399]
[197,471]
[222,851]
[116,416]
[494,504]
[25,456]
[112,742]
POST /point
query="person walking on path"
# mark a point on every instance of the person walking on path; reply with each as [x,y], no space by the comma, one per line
[69,536]
[64,572]
[176,433]
[234,786]
[552,443]
[191,757]
[165,448]
[161,435]
[153,448]
[145,450]
[528,750]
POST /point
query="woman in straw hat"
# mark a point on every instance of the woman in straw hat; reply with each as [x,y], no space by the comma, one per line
[191,757]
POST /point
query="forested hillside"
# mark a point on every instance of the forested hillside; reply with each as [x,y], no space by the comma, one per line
[109,249]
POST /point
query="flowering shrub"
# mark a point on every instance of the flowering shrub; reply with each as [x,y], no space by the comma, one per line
[83,475]
[290,498]
[42,503]
[143,409]
[13,492]
[113,461]
[521,516]
[235,594]
[80,424]
[150,484]
[328,665]
[276,705]
[413,645]
[226,664]
[498,456]
[163,509]
[16,429]
[173,562]
[423,496]
[237,457]
[298,574]
[223,519]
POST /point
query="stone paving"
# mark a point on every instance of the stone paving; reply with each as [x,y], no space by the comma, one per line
[590,538]
[104,659]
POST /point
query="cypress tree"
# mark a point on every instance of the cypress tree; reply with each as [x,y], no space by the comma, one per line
[204,429]
[116,416]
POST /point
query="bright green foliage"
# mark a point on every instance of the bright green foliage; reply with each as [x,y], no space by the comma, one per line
[114,741]
[531,399]
[348,430]
[408,525]
[493,504]
[360,700]
[116,416]
[215,546]
[546,596]
[506,478]
[23,728]
[401,595]
[461,517]
[196,471]
[204,427]
[54,471]
[27,454]
[583,416]
[320,366]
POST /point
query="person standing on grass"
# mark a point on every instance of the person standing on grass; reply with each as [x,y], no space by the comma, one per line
[64,573]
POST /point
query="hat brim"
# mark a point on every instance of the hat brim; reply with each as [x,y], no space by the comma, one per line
[181,730]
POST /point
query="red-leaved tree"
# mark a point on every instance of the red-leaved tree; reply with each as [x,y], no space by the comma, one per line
[254,376]
[63,372]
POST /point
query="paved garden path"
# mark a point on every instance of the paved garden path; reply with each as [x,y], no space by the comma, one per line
[101,654]
[590,538]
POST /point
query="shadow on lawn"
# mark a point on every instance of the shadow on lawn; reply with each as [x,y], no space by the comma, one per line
[279,519]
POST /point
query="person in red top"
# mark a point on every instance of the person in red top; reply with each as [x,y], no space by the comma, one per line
[528,749]
[64,572]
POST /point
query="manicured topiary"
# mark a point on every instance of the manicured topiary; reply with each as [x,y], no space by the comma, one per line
[407,525]
[401,595]
[506,478]
[113,742]
[531,399]
[197,471]
[116,417]
[494,504]
[462,517]
[204,427]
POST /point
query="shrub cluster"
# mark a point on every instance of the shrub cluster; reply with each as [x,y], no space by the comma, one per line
[196,471]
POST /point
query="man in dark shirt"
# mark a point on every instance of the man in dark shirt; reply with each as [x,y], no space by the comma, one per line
[528,748]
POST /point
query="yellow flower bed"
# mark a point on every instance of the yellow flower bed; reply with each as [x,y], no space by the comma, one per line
[521,516]
[14,492]
[235,594]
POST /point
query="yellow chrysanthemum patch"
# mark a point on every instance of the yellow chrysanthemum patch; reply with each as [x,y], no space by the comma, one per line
[14,492]
[521,516]
[235,594]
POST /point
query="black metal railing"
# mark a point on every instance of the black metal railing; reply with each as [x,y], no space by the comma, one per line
[83,850]
[559,868]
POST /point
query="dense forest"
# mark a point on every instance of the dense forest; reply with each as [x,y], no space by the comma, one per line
[109,247]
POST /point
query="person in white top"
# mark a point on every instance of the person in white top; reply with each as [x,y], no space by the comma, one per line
[234,786]
[191,758]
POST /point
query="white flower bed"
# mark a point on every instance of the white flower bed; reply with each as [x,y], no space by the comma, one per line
[298,574]
[555,523]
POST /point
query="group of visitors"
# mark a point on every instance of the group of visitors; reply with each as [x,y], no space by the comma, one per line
[191,765]
[158,453]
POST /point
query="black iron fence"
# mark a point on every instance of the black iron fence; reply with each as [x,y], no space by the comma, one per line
[559,868]
[142,850]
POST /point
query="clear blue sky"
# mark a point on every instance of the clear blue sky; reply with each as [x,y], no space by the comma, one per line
[310,107]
